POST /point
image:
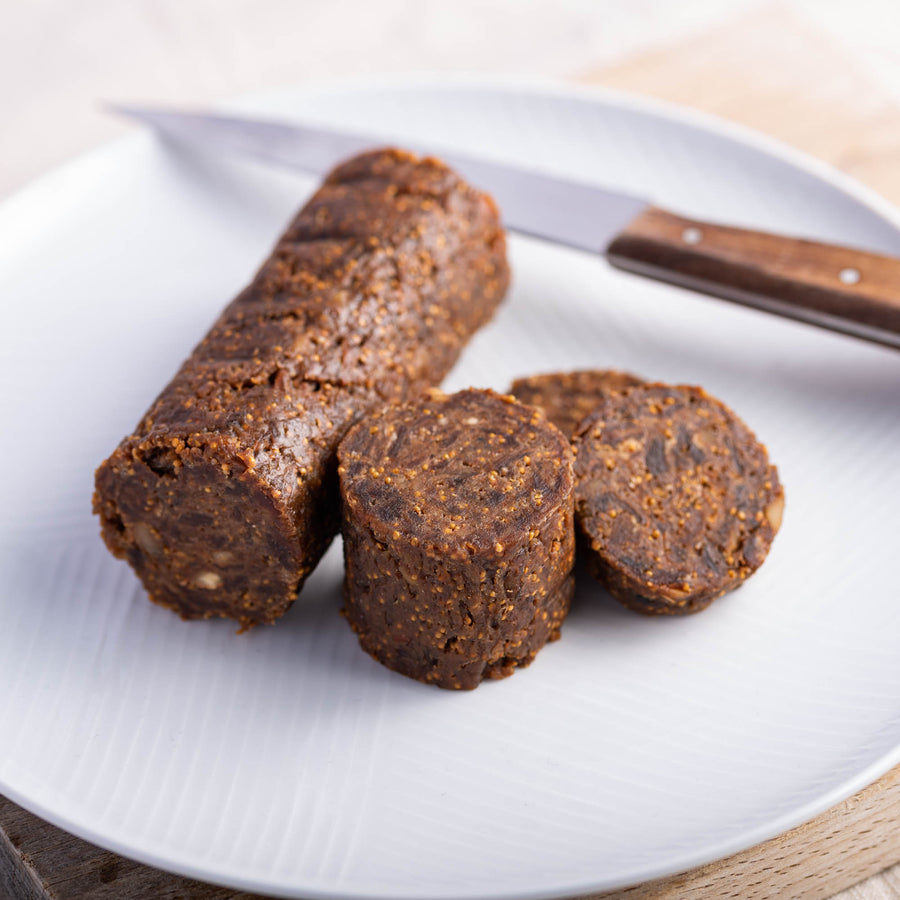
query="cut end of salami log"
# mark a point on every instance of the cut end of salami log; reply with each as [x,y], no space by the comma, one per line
[225,496]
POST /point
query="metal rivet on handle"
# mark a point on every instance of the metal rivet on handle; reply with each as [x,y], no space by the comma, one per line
[692,235]
[849,276]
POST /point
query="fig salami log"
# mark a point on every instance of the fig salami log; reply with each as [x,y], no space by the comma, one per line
[225,496]
[458,535]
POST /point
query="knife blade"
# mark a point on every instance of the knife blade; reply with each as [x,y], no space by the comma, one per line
[565,212]
[846,290]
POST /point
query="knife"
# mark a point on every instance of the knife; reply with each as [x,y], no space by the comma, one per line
[847,290]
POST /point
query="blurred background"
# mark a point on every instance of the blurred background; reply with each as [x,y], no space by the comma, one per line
[823,75]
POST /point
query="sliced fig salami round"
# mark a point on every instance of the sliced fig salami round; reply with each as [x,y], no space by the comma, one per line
[457,517]
[567,397]
[676,499]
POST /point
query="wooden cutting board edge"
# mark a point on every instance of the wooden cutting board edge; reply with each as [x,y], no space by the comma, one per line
[839,848]
[816,860]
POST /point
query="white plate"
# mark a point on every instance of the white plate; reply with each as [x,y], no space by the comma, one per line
[285,760]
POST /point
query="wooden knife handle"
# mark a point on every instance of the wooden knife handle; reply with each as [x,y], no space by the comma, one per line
[843,289]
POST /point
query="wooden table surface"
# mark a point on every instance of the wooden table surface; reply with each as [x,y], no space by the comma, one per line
[764,67]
